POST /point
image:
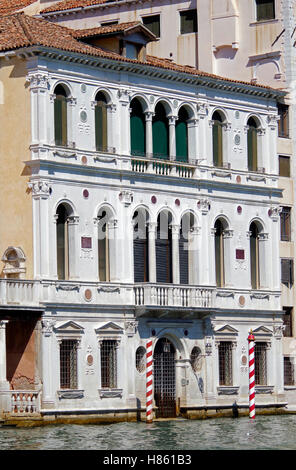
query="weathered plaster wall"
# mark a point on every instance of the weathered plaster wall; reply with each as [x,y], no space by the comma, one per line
[15,199]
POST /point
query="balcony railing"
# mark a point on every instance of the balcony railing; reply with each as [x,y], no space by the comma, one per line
[38,293]
[24,402]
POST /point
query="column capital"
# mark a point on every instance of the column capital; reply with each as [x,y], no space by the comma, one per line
[3,324]
[152,226]
[172,119]
[73,220]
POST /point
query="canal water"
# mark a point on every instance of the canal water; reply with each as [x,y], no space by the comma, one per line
[265,433]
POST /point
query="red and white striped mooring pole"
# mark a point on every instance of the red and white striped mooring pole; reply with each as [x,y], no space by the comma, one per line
[149,382]
[251,340]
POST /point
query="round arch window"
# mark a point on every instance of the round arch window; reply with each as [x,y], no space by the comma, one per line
[140,359]
[196,359]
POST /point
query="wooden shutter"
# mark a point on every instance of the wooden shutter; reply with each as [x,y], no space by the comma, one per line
[140,260]
[138,135]
[60,120]
[101,126]
[183,260]
[164,258]
[160,139]
[265,10]
[181,141]
[188,21]
[217,145]
[287,272]
[252,149]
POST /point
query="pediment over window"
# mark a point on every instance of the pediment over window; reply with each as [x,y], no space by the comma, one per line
[262,330]
[109,328]
[225,329]
[69,327]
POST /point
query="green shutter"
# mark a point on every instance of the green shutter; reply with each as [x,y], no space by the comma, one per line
[181,141]
[60,120]
[101,126]
[160,139]
[137,135]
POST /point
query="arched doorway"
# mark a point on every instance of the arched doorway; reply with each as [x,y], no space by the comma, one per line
[164,379]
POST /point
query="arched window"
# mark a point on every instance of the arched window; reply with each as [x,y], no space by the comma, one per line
[60,116]
[217,139]
[182,136]
[164,248]
[254,255]
[63,213]
[103,246]
[160,133]
[138,137]
[252,145]
[219,253]
[101,127]
[140,244]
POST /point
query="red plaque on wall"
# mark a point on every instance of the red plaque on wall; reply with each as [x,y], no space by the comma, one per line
[240,254]
[85,242]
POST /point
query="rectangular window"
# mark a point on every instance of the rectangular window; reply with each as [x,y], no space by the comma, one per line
[287,320]
[288,371]
[286,224]
[287,271]
[284,166]
[188,21]
[260,364]
[153,24]
[109,23]
[283,123]
[265,10]
[109,364]
[225,363]
[68,364]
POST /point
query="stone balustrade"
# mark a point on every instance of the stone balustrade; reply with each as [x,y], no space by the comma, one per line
[24,402]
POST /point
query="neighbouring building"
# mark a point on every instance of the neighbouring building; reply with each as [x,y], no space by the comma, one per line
[140,200]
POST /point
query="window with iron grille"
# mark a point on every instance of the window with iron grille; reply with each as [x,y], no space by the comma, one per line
[225,363]
[265,10]
[283,123]
[284,166]
[287,320]
[141,359]
[260,363]
[286,224]
[188,21]
[109,364]
[288,371]
[287,268]
[68,364]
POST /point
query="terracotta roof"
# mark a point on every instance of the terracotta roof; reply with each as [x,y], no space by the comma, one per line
[10,6]
[110,29]
[71,4]
[19,31]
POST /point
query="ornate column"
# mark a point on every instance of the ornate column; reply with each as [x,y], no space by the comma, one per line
[264,262]
[152,226]
[48,374]
[228,256]
[193,258]
[113,250]
[111,141]
[149,136]
[73,222]
[175,253]
[40,194]
[39,84]
[130,329]
[4,384]
[124,122]
[172,137]
[206,263]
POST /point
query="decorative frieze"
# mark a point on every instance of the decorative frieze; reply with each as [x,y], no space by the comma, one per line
[39,188]
[38,80]
[126,197]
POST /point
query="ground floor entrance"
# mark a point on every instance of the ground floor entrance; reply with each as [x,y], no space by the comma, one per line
[164,379]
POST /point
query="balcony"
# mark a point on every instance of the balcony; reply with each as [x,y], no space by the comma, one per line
[36,294]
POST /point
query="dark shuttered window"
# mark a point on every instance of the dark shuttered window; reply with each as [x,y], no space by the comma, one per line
[182,136]
[217,140]
[138,144]
[283,123]
[225,363]
[252,146]
[284,166]
[287,268]
[287,320]
[183,259]
[286,224]
[101,123]
[219,254]
[254,256]
[164,254]
[265,10]
[160,132]
[153,24]
[188,21]
[60,116]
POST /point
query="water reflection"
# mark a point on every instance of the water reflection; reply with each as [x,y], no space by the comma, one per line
[266,432]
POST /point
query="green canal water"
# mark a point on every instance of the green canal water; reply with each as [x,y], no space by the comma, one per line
[265,433]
